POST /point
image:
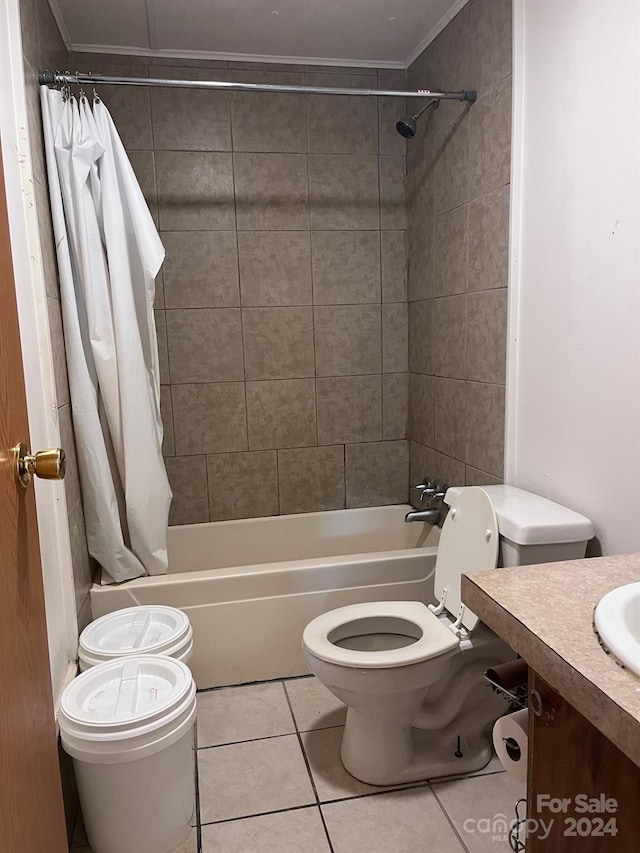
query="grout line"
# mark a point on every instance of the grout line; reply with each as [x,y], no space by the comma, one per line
[197,781]
[246,740]
[252,683]
[308,766]
[260,814]
[450,821]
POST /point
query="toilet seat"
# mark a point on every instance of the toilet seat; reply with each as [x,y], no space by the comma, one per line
[434,638]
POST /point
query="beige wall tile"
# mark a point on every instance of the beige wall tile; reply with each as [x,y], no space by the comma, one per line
[490,42]
[474,477]
[443,469]
[29,29]
[243,485]
[349,409]
[163,351]
[390,110]
[130,108]
[339,125]
[53,51]
[450,417]
[377,473]
[421,260]
[420,336]
[392,176]
[490,140]
[485,427]
[191,119]
[58,351]
[281,413]
[68,443]
[447,344]
[166,412]
[205,344]
[446,65]
[395,400]
[451,169]
[195,191]
[209,418]
[421,408]
[395,333]
[268,122]
[143,163]
[347,339]
[343,191]
[346,267]
[392,79]
[311,479]
[450,242]
[272,192]
[420,179]
[489,240]
[278,342]
[188,480]
[487,336]
[35,124]
[275,267]
[394,266]
[200,269]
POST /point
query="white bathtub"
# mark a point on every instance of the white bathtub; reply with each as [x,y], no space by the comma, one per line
[249,587]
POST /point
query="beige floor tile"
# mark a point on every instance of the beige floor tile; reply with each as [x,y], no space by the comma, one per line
[489,799]
[314,705]
[402,821]
[250,778]
[331,779]
[243,713]
[299,831]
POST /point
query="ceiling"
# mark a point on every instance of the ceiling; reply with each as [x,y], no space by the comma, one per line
[384,33]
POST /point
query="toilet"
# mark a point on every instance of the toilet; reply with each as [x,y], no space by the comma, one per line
[410,672]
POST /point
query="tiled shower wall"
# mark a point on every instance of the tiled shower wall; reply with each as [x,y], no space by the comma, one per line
[281,313]
[458,171]
[43,47]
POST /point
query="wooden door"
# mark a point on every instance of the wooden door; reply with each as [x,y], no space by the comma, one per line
[31,807]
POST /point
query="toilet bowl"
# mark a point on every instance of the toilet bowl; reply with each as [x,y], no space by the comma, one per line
[411,674]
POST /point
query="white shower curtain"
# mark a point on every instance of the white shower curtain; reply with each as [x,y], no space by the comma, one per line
[109,254]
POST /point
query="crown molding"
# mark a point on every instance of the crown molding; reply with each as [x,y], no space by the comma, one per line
[435,31]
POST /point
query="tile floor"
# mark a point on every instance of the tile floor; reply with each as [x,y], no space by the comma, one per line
[270,781]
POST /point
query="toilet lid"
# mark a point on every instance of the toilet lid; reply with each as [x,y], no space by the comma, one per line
[468,543]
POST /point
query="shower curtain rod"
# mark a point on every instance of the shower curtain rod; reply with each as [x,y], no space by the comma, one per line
[56,78]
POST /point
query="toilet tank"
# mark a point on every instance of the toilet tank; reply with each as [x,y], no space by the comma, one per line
[533,529]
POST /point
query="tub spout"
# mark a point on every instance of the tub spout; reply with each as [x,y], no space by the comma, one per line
[430,516]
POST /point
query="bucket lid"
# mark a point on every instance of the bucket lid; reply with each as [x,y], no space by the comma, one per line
[124,695]
[138,630]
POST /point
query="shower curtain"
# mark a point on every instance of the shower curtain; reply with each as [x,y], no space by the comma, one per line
[109,254]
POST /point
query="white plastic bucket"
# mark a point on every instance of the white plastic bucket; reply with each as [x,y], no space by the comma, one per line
[145,630]
[128,725]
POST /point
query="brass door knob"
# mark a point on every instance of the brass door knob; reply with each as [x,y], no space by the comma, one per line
[47,464]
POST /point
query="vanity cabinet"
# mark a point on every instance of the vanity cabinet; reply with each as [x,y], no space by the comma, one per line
[583,793]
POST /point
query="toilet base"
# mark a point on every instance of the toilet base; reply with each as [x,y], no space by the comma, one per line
[445,740]
[434,755]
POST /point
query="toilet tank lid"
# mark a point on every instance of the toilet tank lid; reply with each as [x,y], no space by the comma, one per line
[528,519]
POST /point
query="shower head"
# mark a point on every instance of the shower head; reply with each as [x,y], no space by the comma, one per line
[407,126]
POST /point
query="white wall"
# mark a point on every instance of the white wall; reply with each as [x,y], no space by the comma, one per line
[37,355]
[573,410]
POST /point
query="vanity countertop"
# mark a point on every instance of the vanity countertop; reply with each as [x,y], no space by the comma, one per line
[545,613]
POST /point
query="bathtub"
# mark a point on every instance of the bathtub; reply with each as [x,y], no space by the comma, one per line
[250,586]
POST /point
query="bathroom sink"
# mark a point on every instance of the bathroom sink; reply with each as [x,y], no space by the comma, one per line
[617,621]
